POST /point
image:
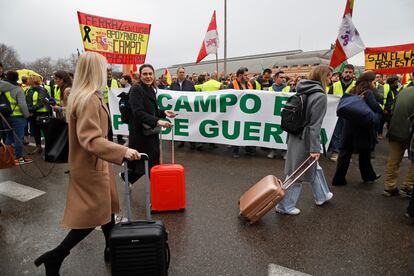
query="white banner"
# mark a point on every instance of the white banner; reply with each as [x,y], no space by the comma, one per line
[231,117]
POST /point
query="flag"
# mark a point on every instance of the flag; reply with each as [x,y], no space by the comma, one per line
[167,76]
[211,40]
[348,43]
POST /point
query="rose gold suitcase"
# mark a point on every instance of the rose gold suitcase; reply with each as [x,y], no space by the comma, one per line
[269,191]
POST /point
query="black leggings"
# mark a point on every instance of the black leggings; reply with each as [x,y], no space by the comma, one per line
[75,236]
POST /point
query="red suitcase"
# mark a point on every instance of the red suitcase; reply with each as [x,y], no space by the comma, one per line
[167,185]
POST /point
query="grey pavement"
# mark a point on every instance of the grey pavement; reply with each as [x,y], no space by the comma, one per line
[360,232]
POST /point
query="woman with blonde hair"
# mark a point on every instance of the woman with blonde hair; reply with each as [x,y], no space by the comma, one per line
[92,199]
[307,143]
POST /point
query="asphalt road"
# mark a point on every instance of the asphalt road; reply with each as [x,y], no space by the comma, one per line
[359,232]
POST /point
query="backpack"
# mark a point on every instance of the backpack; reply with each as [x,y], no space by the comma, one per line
[124,108]
[5,106]
[294,114]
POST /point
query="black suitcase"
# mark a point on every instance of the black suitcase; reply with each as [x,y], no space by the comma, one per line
[139,247]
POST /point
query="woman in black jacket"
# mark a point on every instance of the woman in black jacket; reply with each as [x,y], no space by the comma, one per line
[357,138]
[146,123]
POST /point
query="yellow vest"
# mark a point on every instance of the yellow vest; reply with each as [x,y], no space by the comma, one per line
[35,98]
[56,94]
[258,86]
[210,85]
[337,88]
[285,90]
[14,106]
[47,87]
[114,84]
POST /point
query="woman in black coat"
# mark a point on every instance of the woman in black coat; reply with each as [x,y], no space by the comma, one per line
[146,123]
[357,138]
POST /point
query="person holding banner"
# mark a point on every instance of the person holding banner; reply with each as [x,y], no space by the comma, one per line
[307,143]
[146,124]
[357,137]
[92,198]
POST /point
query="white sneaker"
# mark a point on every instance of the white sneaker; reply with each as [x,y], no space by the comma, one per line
[293,212]
[329,196]
[271,154]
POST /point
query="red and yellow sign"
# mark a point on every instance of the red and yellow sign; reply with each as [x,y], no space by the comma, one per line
[390,60]
[121,42]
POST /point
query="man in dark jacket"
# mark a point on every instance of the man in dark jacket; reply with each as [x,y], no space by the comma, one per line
[182,84]
[399,138]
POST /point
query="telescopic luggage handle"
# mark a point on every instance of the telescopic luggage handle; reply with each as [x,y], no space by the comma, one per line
[172,146]
[147,189]
[291,179]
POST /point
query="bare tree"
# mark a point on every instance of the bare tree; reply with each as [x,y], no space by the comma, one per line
[9,57]
[43,66]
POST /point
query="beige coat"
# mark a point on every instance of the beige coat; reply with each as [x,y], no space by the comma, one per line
[92,195]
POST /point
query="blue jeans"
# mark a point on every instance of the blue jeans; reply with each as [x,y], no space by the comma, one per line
[336,137]
[319,188]
[18,124]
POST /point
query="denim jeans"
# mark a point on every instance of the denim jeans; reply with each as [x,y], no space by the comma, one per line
[336,137]
[319,188]
[18,124]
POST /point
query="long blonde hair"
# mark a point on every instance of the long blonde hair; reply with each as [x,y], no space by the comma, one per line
[90,77]
[320,73]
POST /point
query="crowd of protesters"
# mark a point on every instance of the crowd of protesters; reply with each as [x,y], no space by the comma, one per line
[33,100]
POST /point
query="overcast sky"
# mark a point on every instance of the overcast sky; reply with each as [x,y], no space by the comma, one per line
[39,28]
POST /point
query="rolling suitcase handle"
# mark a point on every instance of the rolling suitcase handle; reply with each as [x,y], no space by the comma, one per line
[172,146]
[291,179]
[147,190]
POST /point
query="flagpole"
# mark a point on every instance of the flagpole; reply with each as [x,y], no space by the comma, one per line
[225,38]
[217,66]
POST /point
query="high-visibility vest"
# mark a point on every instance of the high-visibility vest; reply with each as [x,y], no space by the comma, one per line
[210,85]
[237,87]
[327,88]
[198,87]
[337,88]
[47,87]
[14,106]
[56,94]
[35,98]
[387,90]
[410,82]
[286,89]
[258,86]
[114,84]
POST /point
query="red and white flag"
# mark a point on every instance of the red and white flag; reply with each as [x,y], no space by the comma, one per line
[211,40]
[348,43]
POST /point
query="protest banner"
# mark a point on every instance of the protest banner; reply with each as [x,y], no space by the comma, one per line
[397,59]
[121,42]
[231,117]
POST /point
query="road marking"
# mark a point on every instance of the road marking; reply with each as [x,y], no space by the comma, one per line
[18,191]
[277,270]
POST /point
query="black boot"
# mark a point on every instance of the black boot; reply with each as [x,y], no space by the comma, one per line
[52,260]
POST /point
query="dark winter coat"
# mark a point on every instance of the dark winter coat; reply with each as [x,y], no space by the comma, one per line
[143,103]
[399,130]
[361,137]
[186,86]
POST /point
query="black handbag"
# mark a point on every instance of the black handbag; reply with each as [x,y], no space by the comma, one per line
[42,120]
[151,130]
